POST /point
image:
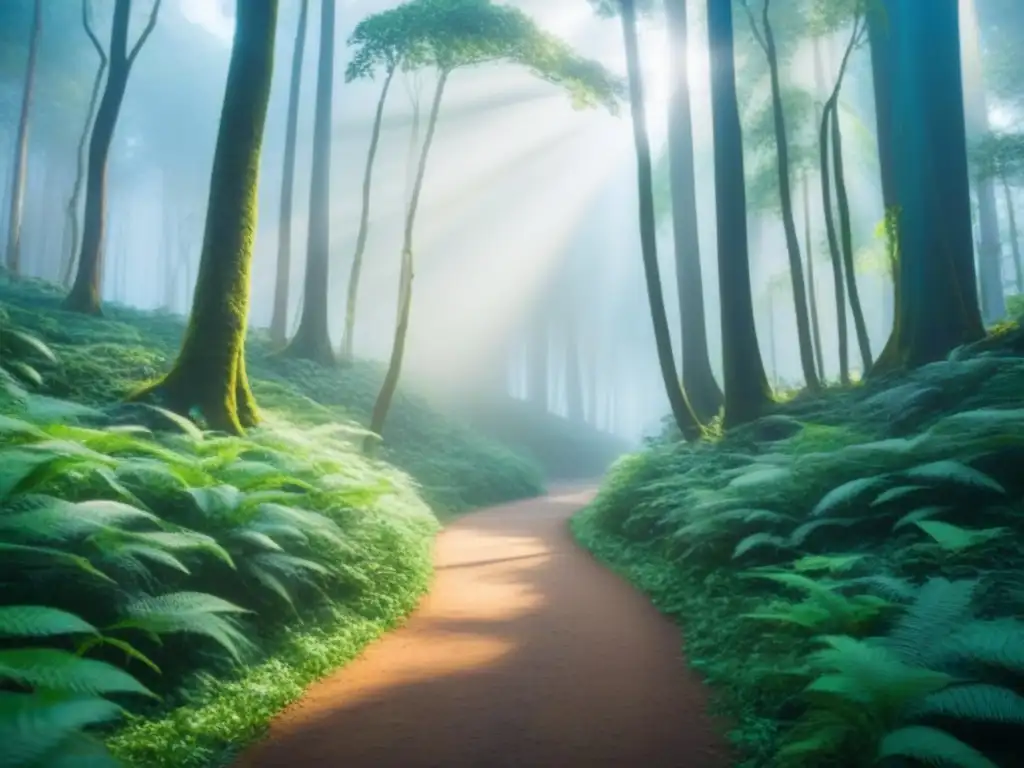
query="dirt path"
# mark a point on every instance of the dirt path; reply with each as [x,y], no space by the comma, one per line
[526,653]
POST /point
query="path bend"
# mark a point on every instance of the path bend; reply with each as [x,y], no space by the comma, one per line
[526,653]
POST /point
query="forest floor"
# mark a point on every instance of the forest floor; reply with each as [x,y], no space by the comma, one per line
[848,571]
[222,574]
[525,652]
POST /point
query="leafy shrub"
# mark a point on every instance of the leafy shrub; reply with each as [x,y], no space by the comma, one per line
[784,557]
[134,562]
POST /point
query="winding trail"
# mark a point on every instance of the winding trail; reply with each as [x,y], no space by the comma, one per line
[526,653]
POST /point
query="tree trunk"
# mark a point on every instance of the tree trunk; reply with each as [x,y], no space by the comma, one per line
[282,283]
[387,390]
[312,340]
[573,373]
[74,202]
[796,272]
[684,417]
[846,235]
[209,373]
[812,284]
[835,255]
[85,292]
[990,249]
[538,375]
[17,201]
[937,306]
[747,393]
[772,354]
[698,379]
[1011,217]
[347,339]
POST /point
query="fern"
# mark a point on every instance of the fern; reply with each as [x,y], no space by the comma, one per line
[931,747]
[953,538]
[33,725]
[54,670]
[40,621]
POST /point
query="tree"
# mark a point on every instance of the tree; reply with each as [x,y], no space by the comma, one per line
[698,380]
[937,301]
[382,41]
[990,268]
[682,413]
[747,393]
[457,34]
[85,292]
[67,271]
[17,202]
[209,373]
[279,318]
[841,246]
[765,37]
[812,283]
[312,339]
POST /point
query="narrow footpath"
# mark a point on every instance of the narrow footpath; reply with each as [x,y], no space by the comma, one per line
[526,653]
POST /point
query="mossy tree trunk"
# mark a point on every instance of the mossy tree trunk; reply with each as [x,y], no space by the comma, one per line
[937,299]
[17,199]
[698,379]
[282,282]
[85,291]
[683,415]
[766,38]
[209,374]
[390,384]
[747,393]
[347,338]
[312,339]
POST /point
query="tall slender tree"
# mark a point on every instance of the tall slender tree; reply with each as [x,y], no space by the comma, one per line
[457,34]
[765,36]
[17,201]
[312,339]
[74,201]
[85,292]
[382,41]
[682,413]
[209,373]
[698,380]
[282,283]
[747,393]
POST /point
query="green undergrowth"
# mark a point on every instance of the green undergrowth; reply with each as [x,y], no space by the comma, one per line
[102,360]
[167,590]
[848,571]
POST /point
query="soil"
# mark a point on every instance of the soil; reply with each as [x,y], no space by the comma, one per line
[526,652]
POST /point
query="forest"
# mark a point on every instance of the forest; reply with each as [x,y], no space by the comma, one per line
[290,291]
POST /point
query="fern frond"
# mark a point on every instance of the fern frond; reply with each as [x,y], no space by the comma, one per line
[931,747]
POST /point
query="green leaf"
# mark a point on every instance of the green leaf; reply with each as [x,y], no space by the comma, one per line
[931,746]
[33,724]
[40,621]
[55,670]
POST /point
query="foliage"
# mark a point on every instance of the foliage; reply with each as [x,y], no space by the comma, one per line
[449,34]
[156,570]
[785,548]
[103,360]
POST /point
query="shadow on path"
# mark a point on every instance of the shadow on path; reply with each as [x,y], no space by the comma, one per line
[526,653]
